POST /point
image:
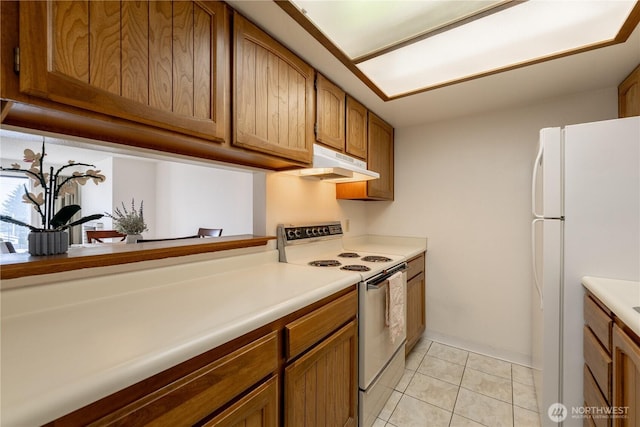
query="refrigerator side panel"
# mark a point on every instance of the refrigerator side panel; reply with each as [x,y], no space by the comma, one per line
[547,318]
[551,140]
[602,226]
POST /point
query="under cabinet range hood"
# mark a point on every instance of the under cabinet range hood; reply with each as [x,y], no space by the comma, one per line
[331,166]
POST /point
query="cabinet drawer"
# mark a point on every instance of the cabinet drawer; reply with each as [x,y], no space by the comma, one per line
[416,266]
[305,332]
[599,362]
[198,394]
[599,321]
[593,397]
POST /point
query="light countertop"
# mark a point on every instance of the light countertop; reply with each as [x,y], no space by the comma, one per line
[620,296]
[392,245]
[66,345]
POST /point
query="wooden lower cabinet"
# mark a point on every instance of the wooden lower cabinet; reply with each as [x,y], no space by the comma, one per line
[626,378]
[321,386]
[416,294]
[612,368]
[257,409]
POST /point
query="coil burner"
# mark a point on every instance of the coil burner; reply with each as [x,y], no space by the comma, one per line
[325,263]
[349,255]
[376,258]
[355,267]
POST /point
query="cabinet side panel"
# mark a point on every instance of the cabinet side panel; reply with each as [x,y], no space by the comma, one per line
[160,55]
[70,44]
[135,51]
[104,45]
[183,58]
[202,63]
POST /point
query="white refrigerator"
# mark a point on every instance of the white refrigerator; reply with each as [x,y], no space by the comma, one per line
[586,222]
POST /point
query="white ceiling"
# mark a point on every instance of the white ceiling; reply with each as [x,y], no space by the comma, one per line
[601,68]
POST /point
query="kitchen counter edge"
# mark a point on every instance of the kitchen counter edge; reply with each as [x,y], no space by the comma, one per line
[620,296]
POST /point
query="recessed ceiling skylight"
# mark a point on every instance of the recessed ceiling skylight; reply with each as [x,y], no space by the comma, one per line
[404,47]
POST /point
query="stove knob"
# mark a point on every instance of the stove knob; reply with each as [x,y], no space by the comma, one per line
[298,233]
[325,231]
[308,232]
[291,234]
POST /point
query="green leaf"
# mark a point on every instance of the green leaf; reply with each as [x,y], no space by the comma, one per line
[64,215]
[81,221]
[11,220]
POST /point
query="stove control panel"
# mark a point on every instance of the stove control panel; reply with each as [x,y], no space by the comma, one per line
[302,232]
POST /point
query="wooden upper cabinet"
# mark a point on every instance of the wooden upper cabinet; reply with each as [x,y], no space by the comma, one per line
[356,132]
[629,95]
[273,96]
[330,114]
[161,63]
[379,159]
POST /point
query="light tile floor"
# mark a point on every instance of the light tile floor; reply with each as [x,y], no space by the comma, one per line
[449,387]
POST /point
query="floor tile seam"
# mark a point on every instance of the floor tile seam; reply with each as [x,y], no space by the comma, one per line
[525,407]
[467,418]
[394,407]
[447,360]
[456,401]
[433,404]
[434,377]
[489,373]
[490,397]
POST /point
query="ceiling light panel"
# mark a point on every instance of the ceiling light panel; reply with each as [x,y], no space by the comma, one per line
[361,27]
[531,30]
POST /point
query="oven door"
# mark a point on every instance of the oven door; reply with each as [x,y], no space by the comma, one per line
[376,346]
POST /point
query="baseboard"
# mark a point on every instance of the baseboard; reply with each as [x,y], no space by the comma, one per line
[475,347]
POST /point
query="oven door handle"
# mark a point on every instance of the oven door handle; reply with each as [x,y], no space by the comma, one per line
[378,281]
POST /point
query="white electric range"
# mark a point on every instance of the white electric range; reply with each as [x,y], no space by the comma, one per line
[381,354]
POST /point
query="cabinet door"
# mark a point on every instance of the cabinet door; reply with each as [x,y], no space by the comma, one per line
[273,96]
[415,310]
[626,378]
[321,387]
[259,408]
[161,63]
[380,158]
[330,116]
[356,133]
[629,95]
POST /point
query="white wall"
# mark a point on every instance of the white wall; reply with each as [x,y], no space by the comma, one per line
[465,184]
[135,179]
[291,200]
[98,199]
[190,196]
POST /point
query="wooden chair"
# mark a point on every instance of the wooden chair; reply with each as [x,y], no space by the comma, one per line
[166,239]
[7,248]
[97,235]
[209,232]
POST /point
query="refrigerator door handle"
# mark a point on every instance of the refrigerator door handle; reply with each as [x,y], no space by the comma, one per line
[534,179]
[534,259]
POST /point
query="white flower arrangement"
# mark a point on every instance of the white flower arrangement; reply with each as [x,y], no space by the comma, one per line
[129,222]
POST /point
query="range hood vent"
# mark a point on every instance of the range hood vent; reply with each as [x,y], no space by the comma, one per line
[331,166]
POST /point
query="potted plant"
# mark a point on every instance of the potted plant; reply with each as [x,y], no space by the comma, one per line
[51,238]
[130,222]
